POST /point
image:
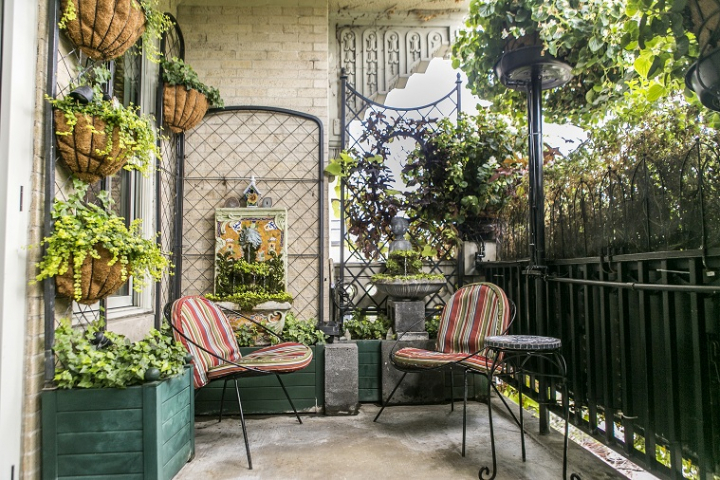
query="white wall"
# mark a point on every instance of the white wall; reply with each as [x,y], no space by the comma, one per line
[17,108]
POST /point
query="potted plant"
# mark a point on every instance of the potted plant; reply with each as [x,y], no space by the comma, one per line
[92,252]
[404,278]
[185,97]
[255,288]
[105,29]
[460,177]
[97,136]
[115,399]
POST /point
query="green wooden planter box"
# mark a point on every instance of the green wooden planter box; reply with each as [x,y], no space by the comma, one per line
[141,432]
[264,395]
[369,362]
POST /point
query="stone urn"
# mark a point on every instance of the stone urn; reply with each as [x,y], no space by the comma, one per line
[408,290]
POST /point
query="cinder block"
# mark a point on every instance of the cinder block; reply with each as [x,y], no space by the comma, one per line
[407,316]
[341,379]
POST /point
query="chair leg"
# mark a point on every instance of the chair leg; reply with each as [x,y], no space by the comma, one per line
[465,378]
[384,404]
[242,422]
[452,391]
[222,399]
[288,397]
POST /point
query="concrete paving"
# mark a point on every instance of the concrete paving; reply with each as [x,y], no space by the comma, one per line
[418,442]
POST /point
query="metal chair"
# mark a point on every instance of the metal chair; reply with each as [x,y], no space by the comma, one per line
[472,313]
[204,329]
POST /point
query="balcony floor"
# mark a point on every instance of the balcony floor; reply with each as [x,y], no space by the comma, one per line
[418,442]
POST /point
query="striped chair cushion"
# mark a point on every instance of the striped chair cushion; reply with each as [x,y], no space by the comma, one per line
[205,324]
[283,358]
[472,313]
[418,358]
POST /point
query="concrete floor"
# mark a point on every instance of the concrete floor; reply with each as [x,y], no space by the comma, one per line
[418,442]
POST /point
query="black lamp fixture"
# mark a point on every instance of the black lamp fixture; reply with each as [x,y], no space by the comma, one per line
[532,70]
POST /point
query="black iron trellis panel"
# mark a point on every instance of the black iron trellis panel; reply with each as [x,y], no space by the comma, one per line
[641,336]
[283,149]
[354,270]
[167,181]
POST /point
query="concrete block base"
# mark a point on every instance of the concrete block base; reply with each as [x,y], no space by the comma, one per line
[341,379]
[417,387]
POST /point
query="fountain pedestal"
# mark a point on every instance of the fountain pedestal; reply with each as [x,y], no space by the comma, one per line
[408,318]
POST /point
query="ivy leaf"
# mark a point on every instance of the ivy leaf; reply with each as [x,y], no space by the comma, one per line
[655,91]
[595,44]
[334,169]
[643,64]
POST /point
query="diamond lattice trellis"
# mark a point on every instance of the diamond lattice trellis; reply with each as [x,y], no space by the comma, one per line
[283,151]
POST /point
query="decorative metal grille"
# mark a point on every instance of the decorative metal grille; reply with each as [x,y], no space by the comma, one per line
[370,128]
[282,149]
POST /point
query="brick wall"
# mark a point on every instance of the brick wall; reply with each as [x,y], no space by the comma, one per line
[263,53]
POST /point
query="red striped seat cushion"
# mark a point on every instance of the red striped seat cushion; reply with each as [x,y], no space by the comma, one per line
[205,324]
[418,358]
[283,358]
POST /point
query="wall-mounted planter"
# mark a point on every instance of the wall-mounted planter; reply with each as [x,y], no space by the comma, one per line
[98,279]
[183,108]
[141,432]
[105,29]
[79,146]
[263,395]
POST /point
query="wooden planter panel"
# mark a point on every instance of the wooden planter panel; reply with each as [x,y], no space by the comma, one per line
[369,383]
[264,395]
[142,432]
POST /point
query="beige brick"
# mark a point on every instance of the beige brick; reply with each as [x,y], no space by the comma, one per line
[267,11]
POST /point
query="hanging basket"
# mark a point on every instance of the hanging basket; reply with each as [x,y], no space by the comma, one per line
[79,149]
[105,29]
[98,279]
[183,108]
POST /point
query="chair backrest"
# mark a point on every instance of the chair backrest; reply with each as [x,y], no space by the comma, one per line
[472,313]
[204,324]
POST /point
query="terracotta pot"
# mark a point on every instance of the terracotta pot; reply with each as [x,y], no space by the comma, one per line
[182,108]
[105,29]
[79,149]
[98,279]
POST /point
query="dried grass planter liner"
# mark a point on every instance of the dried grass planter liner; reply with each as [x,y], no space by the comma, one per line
[99,280]
[105,29]
[78,150]
[183,108]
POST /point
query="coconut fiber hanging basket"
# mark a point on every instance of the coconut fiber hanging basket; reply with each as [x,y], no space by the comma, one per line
[183,108]
[98,279]
[80,146]
[105,29]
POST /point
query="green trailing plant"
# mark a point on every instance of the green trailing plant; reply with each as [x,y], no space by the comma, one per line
[247,334]
[85,363]
[80,227]
[249,282]
[156,24]
[135,131]
[248,300]
[461,176]
[301,331]
[624,51]
[177,72]
[405,265]
[363,327]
